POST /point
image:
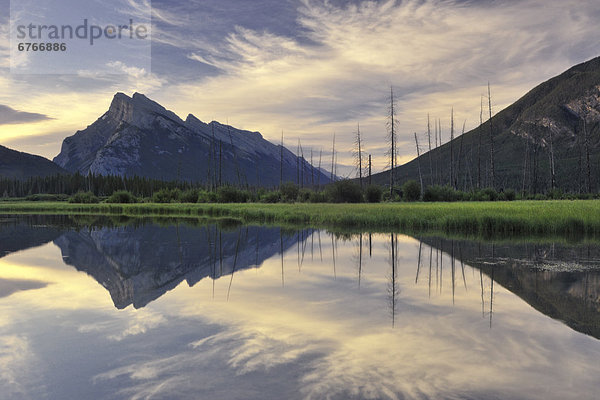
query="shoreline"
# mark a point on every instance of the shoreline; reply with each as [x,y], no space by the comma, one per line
[571,218]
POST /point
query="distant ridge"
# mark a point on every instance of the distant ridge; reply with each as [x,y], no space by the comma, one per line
[18,165]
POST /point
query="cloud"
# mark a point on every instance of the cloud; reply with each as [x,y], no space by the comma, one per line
[315,67]
[10,286]
[337,69]
[15,361]
[11,116]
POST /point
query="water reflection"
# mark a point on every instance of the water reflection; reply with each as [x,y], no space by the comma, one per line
[559,280]
[207,311]
[139,264]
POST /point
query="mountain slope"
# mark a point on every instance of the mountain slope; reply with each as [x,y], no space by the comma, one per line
[18,165]
[138,136]
[549,117]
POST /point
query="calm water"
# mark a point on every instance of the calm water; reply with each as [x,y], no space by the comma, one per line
[108,309]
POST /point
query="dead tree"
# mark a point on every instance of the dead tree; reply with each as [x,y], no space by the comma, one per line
[587,156]
[419,163]
[358,155]
[281,162]
[333,159]
[235,159]
[220,162]
[493,170]
[580,160]
[460,150]
[452,181]
[429,139]
[437,156]
[303,161]
[479,145]
[551,154]
[525,166]
[298,163]
[319,169]
[369,169]
[441,177]
[312,169]
[392,139]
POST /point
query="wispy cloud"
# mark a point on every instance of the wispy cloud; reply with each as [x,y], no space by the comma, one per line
[11,116]
[315,67]
[437,54]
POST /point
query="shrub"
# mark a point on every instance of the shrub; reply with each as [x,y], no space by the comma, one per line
[555,194]
[373,193]
[189,196]
[84,198]
[304,195]
[270,197]
[441,193]
[207,197]
[47,197]
[289,192]
[411,191]
[230,194]
[166,196]
[490,194]
[121,197]
[510,195]
[317,197]
[345,191]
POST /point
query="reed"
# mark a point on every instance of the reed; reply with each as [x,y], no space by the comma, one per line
[507,219]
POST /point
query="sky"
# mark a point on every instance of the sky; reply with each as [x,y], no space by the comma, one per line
[312,68]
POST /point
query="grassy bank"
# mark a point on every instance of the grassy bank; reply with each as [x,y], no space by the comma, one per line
[523,218]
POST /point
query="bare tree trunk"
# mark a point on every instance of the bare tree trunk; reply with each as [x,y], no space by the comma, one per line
[298,163]
[220,162]
[333,159]
[303,161]
[211,164]
[587,156]
[235,159]
[419,163]
[491,139]
[525,166]
[437,155]
[429,139]
[579,162]
[281,162]
[312,170]
[535,168]
[460,149]
[552,171]
[319,176]
[392,138]
[452,182]
[440,150]
[359,156]
[369,169]
[479,145]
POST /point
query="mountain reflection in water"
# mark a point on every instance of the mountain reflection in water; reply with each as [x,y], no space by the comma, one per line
[269,312]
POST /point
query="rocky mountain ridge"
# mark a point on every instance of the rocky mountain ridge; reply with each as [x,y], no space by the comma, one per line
[138,136]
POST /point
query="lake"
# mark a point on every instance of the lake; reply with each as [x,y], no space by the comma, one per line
[115,308]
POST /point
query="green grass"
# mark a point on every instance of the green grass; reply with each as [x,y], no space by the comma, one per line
[579,218]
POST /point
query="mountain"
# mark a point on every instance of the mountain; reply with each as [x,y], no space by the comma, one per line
[18,165]
[550,118]
[138,136]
